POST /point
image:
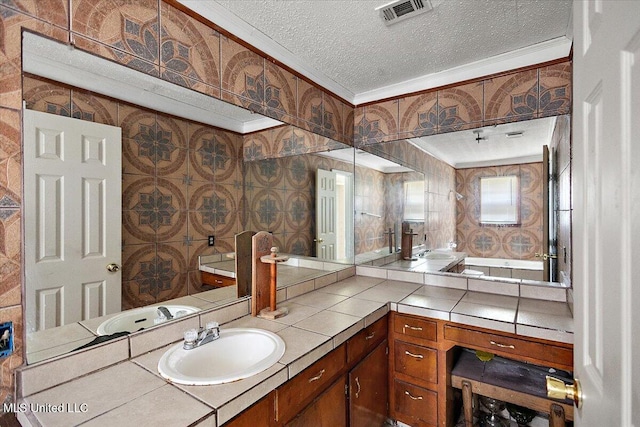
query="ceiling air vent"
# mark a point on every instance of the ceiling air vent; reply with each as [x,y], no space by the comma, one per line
[400,10]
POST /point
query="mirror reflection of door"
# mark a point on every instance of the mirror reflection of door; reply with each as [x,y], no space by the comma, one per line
[549,217]
[72,214]
[334,215]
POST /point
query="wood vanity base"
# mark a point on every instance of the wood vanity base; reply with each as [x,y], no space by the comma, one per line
[423,353]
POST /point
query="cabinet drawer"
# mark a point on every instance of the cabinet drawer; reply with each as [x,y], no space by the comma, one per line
[546,354]
[366,340]
[415,327]
[415,405]
[299,391]
[216,280]
[417,361]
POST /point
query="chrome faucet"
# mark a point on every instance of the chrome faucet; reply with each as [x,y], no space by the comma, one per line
[164,311]
[198,337]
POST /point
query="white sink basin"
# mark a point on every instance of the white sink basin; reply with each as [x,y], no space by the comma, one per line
[238,353]
[438,256]
[138,318]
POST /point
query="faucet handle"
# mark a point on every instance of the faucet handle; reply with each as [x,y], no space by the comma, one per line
[212,325]
[190,336]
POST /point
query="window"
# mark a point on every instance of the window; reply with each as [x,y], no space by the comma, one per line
[500,200]
[414,201]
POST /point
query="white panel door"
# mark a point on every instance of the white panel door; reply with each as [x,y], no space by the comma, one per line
[72,219]
[606,155]
[326,214]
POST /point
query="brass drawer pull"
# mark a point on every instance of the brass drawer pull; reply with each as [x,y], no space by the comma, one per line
[412,397]
[370,336]
[497,344]
[417,356]
[317,377]
[413,328]
[358,384]
[218,281]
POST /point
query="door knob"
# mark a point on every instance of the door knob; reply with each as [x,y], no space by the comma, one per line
[113,268]
[320,240]
[557,389]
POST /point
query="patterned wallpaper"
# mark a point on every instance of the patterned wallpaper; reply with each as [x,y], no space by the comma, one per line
[382,194]
[524,95]
[511,242]
[283,141]
[370,191]
[280,196]
[181,182]
[440,206]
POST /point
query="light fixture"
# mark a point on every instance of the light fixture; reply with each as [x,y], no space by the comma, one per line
[478,138]
[516,134]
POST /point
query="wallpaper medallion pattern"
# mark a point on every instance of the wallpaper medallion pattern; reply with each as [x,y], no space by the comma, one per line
[242,76]
[516,96]
[381,194]
[419,115]
[511,242]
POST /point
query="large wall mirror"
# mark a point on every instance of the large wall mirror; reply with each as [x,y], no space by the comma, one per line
[453,166]
[183,179]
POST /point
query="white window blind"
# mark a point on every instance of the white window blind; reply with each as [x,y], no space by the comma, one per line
[499,200]
[414,201]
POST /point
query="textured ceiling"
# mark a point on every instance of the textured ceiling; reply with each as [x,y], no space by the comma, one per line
[462,150]
[347,42]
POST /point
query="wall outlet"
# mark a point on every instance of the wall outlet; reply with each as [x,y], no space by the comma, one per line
[6,339]
[212,240]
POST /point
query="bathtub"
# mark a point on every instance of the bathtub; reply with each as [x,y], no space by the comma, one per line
[499,267]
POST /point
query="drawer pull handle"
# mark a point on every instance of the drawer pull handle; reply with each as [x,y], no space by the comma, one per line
[358,384]
[370,336]
[497,344]
[413,328]
[218,281]
[412,397]
[317,377]
[417,356]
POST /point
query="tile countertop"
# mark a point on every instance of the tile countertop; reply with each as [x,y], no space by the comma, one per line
[225,268]
[298,266]
[132,392]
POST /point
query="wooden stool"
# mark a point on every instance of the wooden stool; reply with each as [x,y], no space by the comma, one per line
[509,381]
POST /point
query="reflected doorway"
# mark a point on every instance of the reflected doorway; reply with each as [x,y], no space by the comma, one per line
[334,215]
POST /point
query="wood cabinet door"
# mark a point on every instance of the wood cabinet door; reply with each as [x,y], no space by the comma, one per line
[294,395]
[328,410]
[216,280]
[368,389]
[261,414]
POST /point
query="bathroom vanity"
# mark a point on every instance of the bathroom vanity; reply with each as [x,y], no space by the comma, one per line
[351,382]
[335,364]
